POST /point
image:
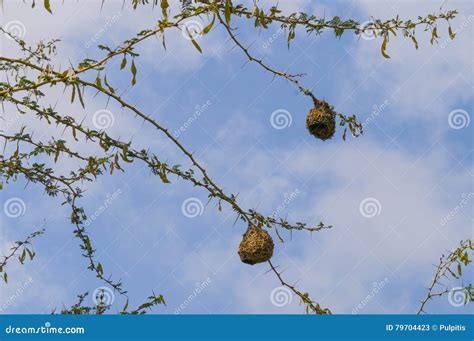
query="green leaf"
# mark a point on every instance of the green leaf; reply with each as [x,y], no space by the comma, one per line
[73,94]
[196,45]
[133,68]
[88,245]
[100,270]
[291,36]
[208,27]
[162,174]
[47,6]
[30,253]
[112,90]
[161,300]
[257,15]
[124,62]
[74,133]
[262,19]
[338,32]
[98,81]
[164,8]
[452,35]
[227,11]
[414,41]
[383,47]
[434,34]
[22,257]
[125,153]
[80,96]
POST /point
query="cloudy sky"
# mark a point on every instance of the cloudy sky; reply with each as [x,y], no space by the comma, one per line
[387,193]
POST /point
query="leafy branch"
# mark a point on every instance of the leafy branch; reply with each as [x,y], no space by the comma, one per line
[24,248]
[450,265]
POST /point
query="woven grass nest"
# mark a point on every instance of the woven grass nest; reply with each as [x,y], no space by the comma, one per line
[256,246]
[321,121]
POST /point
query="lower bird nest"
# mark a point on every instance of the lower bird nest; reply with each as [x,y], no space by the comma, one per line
[256,246]
[321,121]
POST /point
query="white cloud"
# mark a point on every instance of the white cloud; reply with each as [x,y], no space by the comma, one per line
[441,74]
[83,25]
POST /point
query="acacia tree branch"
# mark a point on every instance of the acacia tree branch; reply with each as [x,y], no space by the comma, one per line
[19,245]
[285,75]
[213,188]
[79,216]
[311,306]
[354,126]
[311,23]
[459,257]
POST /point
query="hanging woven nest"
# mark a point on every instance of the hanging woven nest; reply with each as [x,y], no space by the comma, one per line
[256,246]
[321,121]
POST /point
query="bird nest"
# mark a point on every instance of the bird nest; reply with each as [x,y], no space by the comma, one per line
[321,121]
[256,246]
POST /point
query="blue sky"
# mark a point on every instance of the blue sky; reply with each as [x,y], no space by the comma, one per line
[410,163]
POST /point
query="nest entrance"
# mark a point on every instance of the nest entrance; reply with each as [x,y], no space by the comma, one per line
[256,246]
[321,122]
